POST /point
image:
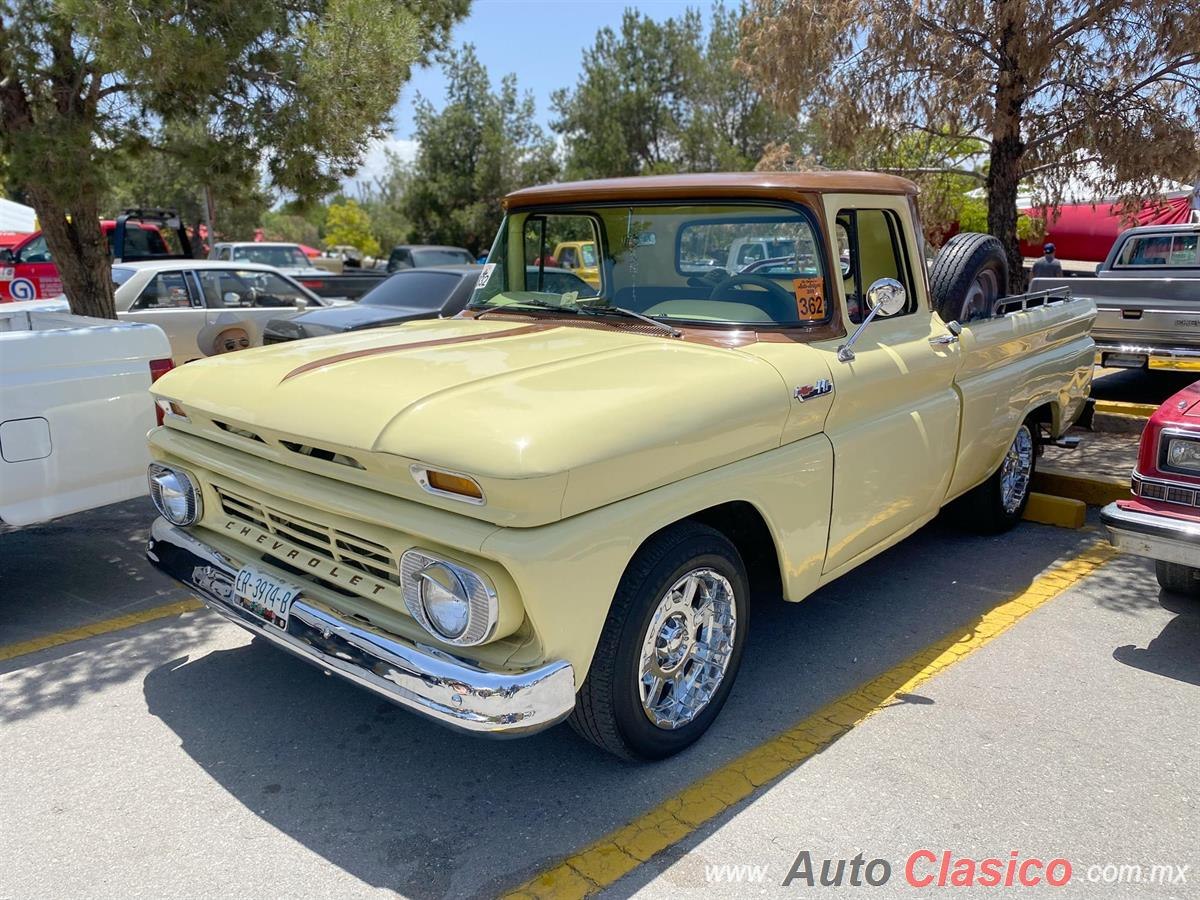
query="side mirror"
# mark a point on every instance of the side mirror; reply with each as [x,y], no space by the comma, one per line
[231,298]
[885,297]
[6,256]
[301,303]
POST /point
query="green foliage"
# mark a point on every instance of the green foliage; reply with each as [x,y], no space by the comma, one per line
[169,172]
[480,146]
[347,223]
[297,89]
[384,202]
[660,97]
[283,226]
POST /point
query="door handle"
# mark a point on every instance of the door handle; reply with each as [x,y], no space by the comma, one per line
[943,339]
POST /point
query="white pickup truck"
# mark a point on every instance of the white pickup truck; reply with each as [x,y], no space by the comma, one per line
[74,409]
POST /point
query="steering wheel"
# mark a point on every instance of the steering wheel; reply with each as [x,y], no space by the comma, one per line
[726,286]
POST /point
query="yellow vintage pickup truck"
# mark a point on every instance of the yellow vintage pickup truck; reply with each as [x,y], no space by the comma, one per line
[557,505]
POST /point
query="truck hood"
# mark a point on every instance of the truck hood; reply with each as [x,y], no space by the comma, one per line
[525,407]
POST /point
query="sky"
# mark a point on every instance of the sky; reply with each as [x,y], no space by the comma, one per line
[540,41]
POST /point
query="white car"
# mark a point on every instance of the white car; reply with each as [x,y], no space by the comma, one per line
[75,407]
[286,258]
[208,307]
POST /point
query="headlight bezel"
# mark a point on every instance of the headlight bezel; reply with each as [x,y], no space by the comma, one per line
[483,608]
[1167,437]
[161,478]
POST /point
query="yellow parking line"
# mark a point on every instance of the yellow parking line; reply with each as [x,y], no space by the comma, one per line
[623,850]
[10,651]
[1123,408]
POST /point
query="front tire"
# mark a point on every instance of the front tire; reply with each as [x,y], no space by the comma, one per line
[998,504]
[1176,578]
[670,648]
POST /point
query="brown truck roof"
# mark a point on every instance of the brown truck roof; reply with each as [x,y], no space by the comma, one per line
[715,185]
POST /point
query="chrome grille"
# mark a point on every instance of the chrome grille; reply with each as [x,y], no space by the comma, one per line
[331,544]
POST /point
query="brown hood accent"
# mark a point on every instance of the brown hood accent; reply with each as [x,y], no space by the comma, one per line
[390,348]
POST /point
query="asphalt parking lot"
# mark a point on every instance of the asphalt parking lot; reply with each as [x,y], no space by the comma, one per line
[175,756]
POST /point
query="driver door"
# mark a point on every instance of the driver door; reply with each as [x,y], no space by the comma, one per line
[241,302]
[894,420]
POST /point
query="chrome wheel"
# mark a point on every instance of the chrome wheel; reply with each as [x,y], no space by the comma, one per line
[981,296]
[686,648]
[1016,470]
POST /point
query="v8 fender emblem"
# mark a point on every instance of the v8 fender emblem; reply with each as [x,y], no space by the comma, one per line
[808,391]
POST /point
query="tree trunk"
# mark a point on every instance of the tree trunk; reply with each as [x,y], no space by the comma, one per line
[1004,171]
[79,250]
[1003,182]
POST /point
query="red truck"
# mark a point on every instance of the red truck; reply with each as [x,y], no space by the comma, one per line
[28,273]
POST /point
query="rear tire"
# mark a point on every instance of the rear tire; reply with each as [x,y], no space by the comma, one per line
[998,504]
[968,276]
[1176,578]
[660,675]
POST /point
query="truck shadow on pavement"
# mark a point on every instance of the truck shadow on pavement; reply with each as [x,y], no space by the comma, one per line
[1175,652]
[403,804]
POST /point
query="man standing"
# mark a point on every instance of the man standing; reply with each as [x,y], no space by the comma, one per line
[1047,266]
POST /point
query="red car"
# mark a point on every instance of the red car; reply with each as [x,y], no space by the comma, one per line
[28,273]
[1162,519]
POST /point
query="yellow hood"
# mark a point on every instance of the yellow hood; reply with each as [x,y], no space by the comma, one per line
[591,413]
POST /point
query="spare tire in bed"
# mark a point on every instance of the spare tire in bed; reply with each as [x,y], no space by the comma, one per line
[968,276]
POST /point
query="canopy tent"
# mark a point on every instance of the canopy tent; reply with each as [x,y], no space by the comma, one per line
[1086,231]
[16,217]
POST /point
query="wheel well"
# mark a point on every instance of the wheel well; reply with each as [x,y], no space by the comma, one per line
[1046,414]
[746,529]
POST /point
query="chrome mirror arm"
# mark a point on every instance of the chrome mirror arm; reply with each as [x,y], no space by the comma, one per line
[845,353]
[885,296]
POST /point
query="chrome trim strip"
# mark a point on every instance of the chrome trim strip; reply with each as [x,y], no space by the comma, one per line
[1156,537]
[449,690]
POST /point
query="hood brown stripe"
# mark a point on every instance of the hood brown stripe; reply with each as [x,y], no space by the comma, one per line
[390,348]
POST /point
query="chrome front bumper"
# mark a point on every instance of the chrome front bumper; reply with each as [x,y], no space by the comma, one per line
[1156,537]
[424,679]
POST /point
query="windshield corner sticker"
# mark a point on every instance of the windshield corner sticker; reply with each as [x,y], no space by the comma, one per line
[810,297]
[808,391]
[485,275]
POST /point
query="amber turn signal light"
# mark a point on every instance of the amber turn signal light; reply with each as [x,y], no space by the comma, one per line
[454,484]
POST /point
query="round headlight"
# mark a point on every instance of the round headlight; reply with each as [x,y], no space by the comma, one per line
[174,494]
[445,599]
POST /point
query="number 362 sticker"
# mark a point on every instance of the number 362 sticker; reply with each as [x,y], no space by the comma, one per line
[810,297]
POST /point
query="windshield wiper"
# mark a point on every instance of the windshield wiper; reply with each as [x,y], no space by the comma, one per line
[518,304]
[601,310]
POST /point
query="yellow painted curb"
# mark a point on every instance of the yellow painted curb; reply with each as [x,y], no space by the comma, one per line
[1119,408]
[11,651]
[620,852]
[1094,490]
[1060,511]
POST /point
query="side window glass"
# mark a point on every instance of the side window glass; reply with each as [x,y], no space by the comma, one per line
[870,247]
[1183,251]
[36,251]
[167,290]
[237,288]
[1151,250]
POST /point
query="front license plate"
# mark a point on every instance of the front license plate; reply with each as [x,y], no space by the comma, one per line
[264,595]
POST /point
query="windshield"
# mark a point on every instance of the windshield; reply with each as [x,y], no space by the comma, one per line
[736,264]
[413,289]
[280,257]
[447,257]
